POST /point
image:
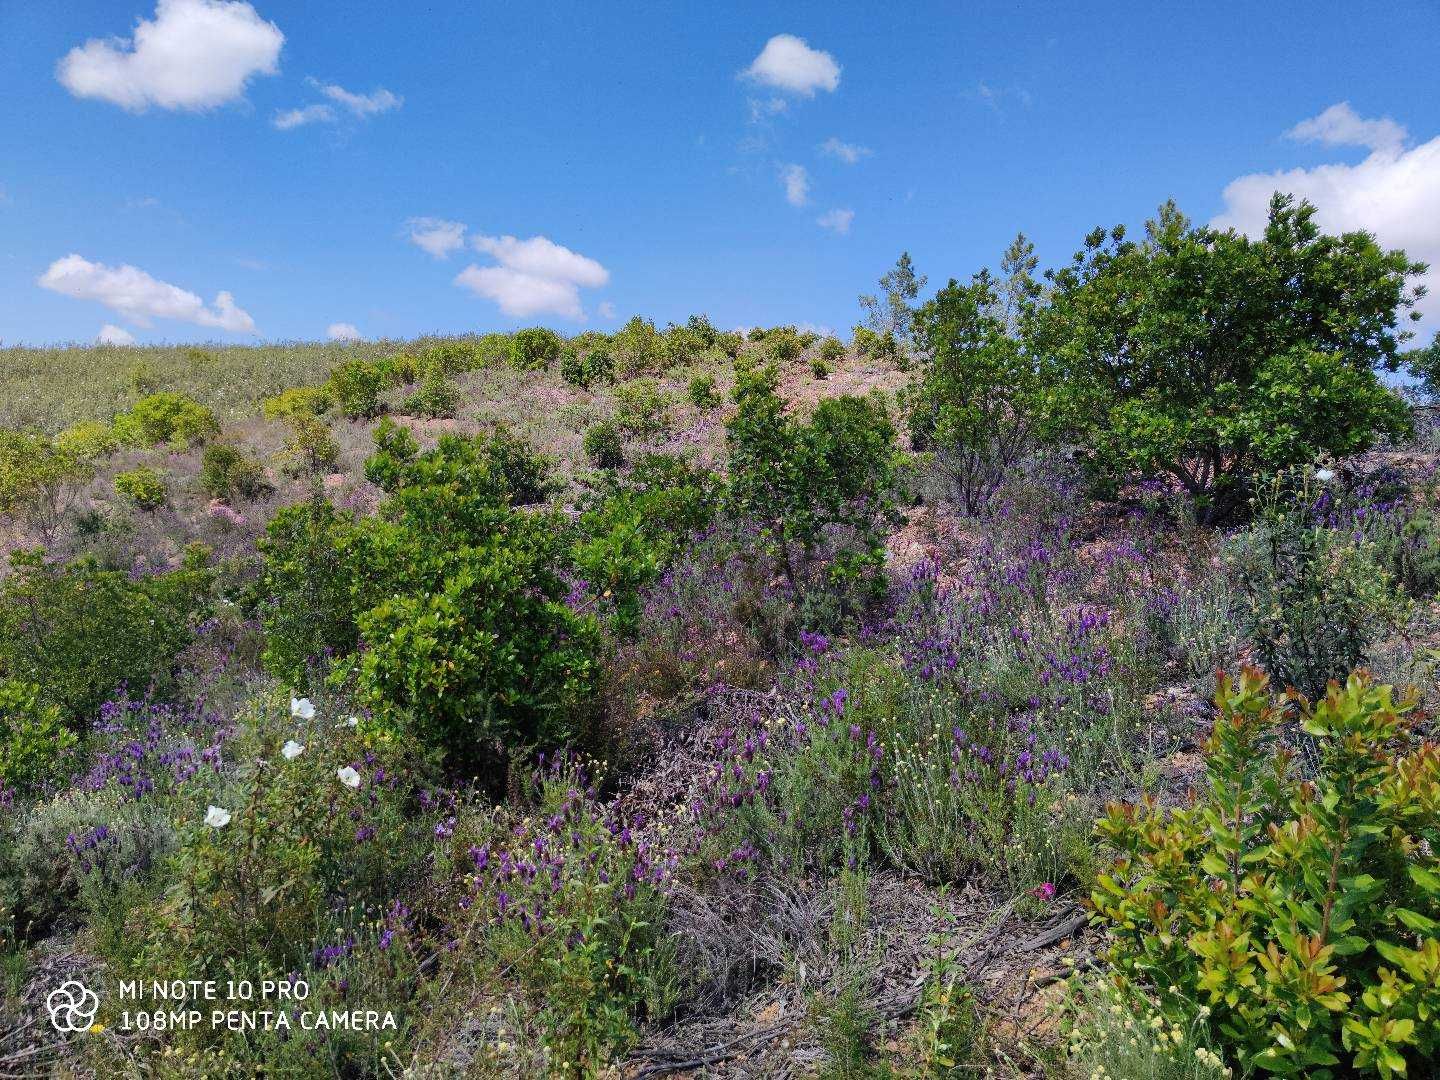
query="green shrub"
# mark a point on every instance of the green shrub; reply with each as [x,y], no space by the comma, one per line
[230,474]
[730,343]
[702,393]
[783,344]
[142,487]
[1313,597]
[638,348]
[88,440]
[357,385]
[636,526]
[453,356]
[437,397]
[1303,913]
[310,400]
[794,480]
[39,479]
[1182,355]
[819,368]
[641,409]
[80,632]
[467,643]
[169,418]
[978,399]
[586,369]
[304,596]
[534,349]
[310,448]
[34,741]
[604,445]
[832,351]
[523,473]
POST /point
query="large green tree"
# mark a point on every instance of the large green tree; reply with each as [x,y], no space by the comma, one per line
[1208,357]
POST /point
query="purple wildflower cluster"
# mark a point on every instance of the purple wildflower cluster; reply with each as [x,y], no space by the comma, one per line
[142,745]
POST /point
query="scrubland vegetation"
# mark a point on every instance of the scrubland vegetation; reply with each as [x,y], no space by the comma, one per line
[1037,684]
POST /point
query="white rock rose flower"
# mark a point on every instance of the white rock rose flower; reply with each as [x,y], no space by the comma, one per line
[1324,475]
[291,750]
[348,776]
[217,817]
[302,708]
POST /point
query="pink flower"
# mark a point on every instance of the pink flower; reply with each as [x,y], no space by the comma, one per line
[1044,891]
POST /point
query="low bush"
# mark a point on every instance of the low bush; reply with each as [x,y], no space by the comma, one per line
[142,487]
[437,397]
[832,350]
[39,479]
[357,385]
[310,400]
[534,349]
[588,368]
[80,632]
[1303,913]
[230,474]
[169,418]
[35,745]
[310,448]
[604,445]
[641,409]
[88,440]
[1314,597]
[702,393]
[819,368]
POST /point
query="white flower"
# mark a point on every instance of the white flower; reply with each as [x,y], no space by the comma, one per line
[301,708]
[291,750]
[1324,475]
[217,817]
[353,721]
[348,776]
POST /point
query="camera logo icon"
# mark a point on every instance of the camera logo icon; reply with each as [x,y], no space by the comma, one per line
[72,1006]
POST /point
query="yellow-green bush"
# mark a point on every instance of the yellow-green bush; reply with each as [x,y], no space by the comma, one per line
[167,417]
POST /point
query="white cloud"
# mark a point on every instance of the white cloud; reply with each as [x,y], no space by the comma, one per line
[139,297]
[789,64]
[797,184]
[110,334]
[194,54]
[520,294]
[535,276]
[343,331]
[837,221]
[543,258]
[310,114]
[606,309]
[761,110]
[1394,192]
[436,235]
[849,153]
[362,105]
[1340,125]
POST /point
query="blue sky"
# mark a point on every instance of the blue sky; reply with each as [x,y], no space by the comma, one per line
[637,165]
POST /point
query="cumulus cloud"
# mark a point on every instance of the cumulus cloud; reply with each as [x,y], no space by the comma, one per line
[797,184]
[788,64]
[342,331]
[837,221]
[110,334]
[849,153]
[436,235]
[342,103]
[1394,192]
[534,277]
[139,297]
[194,54]
[1340,125]
[543,258]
